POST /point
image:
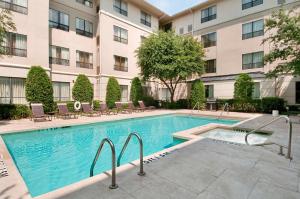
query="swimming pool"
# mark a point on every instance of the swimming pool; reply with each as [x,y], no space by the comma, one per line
[53,158]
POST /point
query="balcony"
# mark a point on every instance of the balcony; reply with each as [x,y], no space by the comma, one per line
[59,61]
[13,7]
[84,65]
[120,68]
[53,24]
[84,33]
[14,51]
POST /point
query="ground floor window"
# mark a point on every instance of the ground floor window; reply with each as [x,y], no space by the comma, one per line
[12,90]
[297,92]
[256,90]
[209,91]
[61,91]
[165,94]
[124,93]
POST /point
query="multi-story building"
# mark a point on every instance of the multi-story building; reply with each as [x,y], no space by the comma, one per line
[98,38]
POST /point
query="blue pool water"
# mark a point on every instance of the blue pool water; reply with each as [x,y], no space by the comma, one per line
[53,158]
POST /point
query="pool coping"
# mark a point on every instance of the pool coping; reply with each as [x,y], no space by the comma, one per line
[16,176]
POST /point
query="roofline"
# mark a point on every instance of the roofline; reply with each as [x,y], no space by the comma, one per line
[150,7]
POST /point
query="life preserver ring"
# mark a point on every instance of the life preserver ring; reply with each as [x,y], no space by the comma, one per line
[77,105]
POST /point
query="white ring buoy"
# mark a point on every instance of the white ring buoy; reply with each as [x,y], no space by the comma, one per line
[77,105]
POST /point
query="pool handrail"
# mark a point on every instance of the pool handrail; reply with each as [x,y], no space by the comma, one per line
[289,147]
[224,108]
[113,150]
[141,172]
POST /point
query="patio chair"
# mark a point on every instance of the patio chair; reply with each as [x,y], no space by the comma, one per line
[103,109]
[64,112]
[88,111]
[121,109]
[132,107]
[143,107]
[38,113]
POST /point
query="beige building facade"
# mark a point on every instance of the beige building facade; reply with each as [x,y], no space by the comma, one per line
[99,38]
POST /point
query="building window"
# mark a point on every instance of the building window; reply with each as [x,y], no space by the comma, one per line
[61,91]
[12,90]
[165,94]
[88,3]
[121,7]
[253,60]
[14,44]
[297,92]
[209,40]
[256,91]
[250,3]
[84,27]
[121,63]
[208,14]
[190,28]
[181,31]
[58,20]
[15,5]
[84,60]
[59,55]
[120,35]
[124,93]
[145,19]
[209,91]
[253,29]
[210,66]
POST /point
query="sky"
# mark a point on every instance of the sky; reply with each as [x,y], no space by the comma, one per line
[173,6]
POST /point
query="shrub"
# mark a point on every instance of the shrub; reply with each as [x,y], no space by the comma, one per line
[272,103]
[38,88]
[150,101]
[96,104]
[254,105]
[136,92]
[243,88]
[198,94]
[11,111]
[113,92]
[180,104]
[83,89]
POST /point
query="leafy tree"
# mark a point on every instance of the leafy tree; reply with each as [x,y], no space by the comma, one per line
[243,88]
[285,42]
[136,92]
[113,92]
[83,89]
[170,58]
[198,94]
[6,25]
[38,88]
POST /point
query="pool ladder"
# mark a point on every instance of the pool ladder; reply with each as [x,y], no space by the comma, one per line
[113,152]
[226,105]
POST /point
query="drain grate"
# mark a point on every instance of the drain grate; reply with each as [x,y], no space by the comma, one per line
[3,168]
[156,157]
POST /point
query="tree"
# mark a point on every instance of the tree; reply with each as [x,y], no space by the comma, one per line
[83,89]
[243,88]
[198,94]
[285,43]
[6,25]
[113,92]
[170,58]
[38,88]
[136,92]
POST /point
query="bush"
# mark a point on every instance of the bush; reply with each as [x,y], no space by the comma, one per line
[113,92]
[180,104]
[38,88]
[241,106]
[83,89]
[136,92]
[198,94]
[272,103]
[243,88]
[96,104]
[150,101]
[11,111]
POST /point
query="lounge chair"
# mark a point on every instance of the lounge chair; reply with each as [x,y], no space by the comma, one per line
[64,112]
[132,107]
[143,107]
[87,110]
[121,109]
[38,113]
[105,110]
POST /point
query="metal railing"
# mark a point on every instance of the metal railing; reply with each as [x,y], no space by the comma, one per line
[141,172]
[112,147]
[224,108]
[289,147]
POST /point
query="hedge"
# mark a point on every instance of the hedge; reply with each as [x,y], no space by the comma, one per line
[243,88]
[136,92]
[180,104]
[12,111]
[273,103]
[83,89]
[198,94]
[113,92]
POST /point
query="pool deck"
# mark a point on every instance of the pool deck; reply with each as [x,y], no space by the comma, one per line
[200,168]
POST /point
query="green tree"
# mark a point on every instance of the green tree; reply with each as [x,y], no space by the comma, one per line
[83,89]
[113,92]
[243,88]
[136,92]
[198,94]
[170,58]
[38,88]
[285,42]
[6,25]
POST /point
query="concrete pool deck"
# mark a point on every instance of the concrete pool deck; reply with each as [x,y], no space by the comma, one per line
[201,169]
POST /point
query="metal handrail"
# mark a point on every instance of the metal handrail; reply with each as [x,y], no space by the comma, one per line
[112,147]
[289,147]
[141,172]
[196,105]
[225,105]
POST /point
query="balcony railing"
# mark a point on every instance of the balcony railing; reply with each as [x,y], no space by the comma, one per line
[53,24]
[84,65]
[208,18]
[253,65]
[13,7]
[14,51]
[252,4]
[120,39]
[253,34]
[120,68]
[84,33]
[59,61]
